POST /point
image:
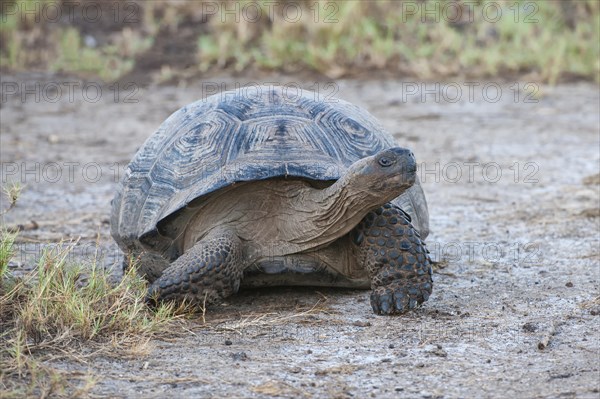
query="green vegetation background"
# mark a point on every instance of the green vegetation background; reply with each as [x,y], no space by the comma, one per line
[546,41]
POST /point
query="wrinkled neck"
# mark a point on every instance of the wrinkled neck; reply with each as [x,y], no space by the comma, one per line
[344,195]
[341,206]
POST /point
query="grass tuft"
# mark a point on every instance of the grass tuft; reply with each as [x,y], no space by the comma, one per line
[7,240]
[12,191]
[75,311]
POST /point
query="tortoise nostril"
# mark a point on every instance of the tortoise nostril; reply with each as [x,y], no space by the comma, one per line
[402,152]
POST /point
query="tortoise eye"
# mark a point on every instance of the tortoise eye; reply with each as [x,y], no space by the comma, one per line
[385,161]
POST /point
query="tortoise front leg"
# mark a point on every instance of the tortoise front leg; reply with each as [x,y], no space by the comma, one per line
[396,259]
[209,271]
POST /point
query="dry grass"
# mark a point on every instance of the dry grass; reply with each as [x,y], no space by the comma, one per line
[12,191]
[269,319]
[41,41]
[280,389]
[7,241]
[547,41]
[70,311]
[74,312]
[384,35]
[595,302]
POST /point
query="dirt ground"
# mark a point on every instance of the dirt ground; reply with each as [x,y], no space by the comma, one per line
[513,192]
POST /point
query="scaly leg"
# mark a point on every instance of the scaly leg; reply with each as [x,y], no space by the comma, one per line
[396,259]
[209,271]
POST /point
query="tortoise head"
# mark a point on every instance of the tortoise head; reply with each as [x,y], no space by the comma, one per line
[384,175]
[367,184]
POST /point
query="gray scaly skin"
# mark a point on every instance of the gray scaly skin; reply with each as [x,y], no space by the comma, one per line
[210,271]
[396,258]
[390,249]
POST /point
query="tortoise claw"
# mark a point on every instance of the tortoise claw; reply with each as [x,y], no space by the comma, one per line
[400,270]
[397,298]
[381,302]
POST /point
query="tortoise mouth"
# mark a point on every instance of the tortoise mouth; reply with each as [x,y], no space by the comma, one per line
[406,178]
[407,168]
[410,169]
[405,174]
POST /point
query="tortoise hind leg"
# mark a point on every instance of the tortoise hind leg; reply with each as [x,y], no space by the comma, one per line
[207,272]
[396,259]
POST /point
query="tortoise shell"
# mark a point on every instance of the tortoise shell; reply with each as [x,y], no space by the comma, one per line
[244,135]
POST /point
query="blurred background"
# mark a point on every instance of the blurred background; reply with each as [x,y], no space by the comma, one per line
[177,41]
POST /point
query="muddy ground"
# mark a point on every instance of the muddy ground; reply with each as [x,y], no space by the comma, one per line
[514,204]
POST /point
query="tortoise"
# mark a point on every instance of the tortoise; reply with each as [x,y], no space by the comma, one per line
[255,187]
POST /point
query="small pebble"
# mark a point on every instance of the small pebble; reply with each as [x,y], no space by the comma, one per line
[529,327]
[439,352]
[240,356]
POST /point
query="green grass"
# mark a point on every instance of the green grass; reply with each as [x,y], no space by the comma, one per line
[547,41]
[380,35]
[7,240]
[109,62]
[56,47]
[11,191]
[61,308]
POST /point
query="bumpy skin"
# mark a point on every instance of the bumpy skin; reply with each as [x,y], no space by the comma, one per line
[396,259]
[209,271]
